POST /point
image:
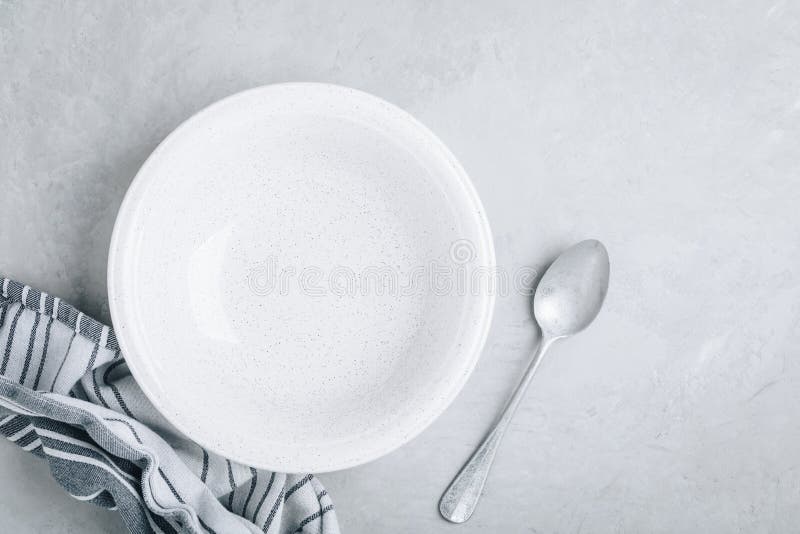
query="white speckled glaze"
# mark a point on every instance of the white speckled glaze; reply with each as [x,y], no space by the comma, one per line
[297,176]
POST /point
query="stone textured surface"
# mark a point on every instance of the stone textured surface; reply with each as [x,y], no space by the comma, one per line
[669,131]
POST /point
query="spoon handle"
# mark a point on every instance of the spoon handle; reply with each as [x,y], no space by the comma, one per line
[461,497]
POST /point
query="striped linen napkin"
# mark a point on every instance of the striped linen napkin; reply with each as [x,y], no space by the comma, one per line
[67,396]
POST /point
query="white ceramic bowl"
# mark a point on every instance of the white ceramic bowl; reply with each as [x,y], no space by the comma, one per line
[271,277]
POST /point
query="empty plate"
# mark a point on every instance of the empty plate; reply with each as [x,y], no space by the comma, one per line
[298,277]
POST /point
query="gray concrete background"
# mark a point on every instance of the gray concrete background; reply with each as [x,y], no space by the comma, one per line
[668,130]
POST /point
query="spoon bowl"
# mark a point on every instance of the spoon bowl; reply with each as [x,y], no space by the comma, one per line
[573,289]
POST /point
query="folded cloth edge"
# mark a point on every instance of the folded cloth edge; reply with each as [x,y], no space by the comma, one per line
[199,510]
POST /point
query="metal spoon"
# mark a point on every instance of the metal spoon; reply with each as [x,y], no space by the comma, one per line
[567,299]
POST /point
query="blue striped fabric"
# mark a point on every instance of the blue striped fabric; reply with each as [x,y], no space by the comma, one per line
[67,396]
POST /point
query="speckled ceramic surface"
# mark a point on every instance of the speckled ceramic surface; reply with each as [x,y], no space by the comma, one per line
[272,277]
